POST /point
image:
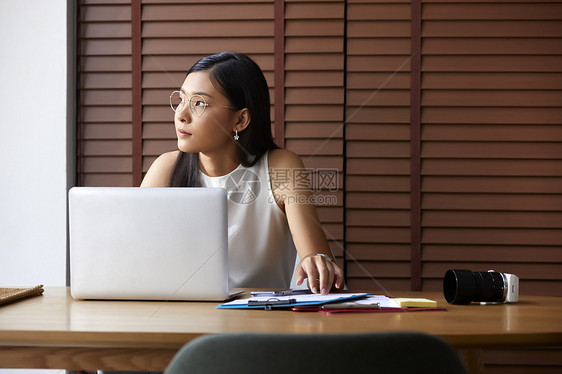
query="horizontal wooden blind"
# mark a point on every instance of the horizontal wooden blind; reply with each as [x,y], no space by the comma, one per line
[314,96]
[492,141]
[378,144]
[177,34]
[105,131]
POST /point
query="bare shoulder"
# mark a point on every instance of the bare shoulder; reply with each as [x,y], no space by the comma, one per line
[284,159]
[159,173]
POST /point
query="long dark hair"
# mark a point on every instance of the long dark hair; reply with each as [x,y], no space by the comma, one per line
[242,82]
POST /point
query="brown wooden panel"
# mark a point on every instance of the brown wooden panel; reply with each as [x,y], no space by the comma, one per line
[377,132]
[491,11]
[383,11]
[314,95]
[551,168]
[368,285]
[510,202]
[366,183]
[99,131]
[379,218]
[379,29]
[379,252]
[527,115]
[107,80]
[109,47]
[378,166]
[526,28]
[380,46]
[201,46]
[377,200]
[359,63]
[107,180]
[378,98]
[106,64]
[104,13]
[492,46]
[504,81]
[493,219]
[314,27]
[314,113]
[489,184]
[106,114]
[311,11]
[495,236]
[378,149]
[513,150]
[307,147]
[102,30]
[494,253]
[157,130]
[313,130]
[201,11]
[378,115]
[152,147]
[323,161]
[489,132]
[107,97]
[106,148]
[379,270]
[376,81]
[496,98]
[495,63]
[313,62]
[108,165]
[314,79]
[206,29]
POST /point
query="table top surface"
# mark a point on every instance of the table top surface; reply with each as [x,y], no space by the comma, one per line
[55,318]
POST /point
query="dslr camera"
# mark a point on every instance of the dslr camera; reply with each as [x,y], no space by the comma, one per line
[465,286]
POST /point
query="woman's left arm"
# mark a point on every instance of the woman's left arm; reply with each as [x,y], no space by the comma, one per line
[316,262]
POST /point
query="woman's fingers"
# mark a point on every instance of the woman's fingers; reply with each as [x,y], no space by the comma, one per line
[321,273]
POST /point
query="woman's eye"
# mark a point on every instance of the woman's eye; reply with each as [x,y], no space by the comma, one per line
[199,103]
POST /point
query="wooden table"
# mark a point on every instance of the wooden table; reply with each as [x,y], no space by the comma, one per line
[55,331]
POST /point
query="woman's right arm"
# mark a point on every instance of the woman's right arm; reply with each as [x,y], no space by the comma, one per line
[158,175]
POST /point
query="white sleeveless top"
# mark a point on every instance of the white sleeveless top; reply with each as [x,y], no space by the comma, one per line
[261,249]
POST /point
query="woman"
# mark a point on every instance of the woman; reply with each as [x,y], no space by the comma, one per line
[223,126]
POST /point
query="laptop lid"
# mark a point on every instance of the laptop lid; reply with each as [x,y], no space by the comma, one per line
[148,243]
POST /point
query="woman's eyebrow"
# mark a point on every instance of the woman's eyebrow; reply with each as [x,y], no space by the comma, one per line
[196,93]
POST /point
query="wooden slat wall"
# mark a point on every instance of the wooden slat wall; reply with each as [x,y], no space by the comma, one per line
[491,136]
[378,144]
[105,144]
[492,141]
[314,97]
[175,35]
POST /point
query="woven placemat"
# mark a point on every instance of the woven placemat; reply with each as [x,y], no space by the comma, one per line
[8,295]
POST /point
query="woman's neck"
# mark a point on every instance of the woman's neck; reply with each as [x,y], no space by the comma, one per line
[218,165]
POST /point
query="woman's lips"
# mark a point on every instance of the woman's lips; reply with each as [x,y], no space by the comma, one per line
[183,133]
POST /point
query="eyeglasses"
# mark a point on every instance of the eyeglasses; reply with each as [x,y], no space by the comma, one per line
[197,103]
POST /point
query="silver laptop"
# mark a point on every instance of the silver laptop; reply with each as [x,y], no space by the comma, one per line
[148,243]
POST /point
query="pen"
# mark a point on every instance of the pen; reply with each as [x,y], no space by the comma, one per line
[280,293]
[351,305]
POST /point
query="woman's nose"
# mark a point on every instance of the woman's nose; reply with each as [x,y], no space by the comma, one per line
[183,112]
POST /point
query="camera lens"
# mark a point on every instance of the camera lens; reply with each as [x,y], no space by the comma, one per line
[465,286]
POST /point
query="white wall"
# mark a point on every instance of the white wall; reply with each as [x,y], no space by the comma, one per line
[33,143]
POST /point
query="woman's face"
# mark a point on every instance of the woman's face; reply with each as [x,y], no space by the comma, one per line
[213,130]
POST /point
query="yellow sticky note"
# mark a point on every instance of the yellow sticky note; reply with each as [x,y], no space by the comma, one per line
[406,302]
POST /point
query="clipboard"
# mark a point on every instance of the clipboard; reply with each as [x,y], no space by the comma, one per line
[287,302]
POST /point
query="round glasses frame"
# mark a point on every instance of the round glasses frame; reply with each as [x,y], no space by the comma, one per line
[197,103]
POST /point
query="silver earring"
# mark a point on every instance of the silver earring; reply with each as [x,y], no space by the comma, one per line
[236,137]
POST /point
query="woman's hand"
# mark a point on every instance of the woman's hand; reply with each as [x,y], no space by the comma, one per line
[321,271]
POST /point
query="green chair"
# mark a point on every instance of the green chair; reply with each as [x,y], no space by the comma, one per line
[249,353]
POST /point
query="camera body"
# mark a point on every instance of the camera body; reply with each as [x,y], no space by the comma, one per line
[465,286]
